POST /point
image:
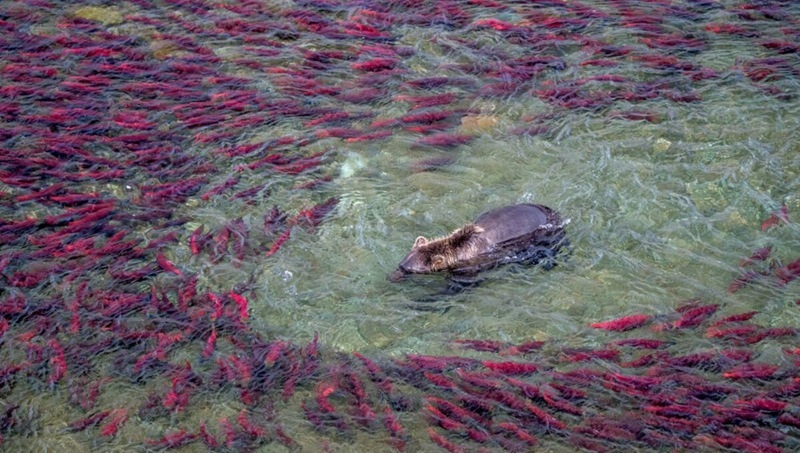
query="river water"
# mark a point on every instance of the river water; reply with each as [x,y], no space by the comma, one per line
[666,132]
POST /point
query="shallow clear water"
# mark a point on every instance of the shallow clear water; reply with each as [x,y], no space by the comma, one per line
[660,212]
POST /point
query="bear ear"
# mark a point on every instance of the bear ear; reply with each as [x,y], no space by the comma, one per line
[438,262]
[420,241]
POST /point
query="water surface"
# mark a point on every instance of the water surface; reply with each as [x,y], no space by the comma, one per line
[665,131]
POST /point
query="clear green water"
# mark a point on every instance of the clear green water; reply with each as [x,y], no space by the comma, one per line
[659,213]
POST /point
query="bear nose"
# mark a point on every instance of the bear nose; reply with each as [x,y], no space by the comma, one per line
[406,265]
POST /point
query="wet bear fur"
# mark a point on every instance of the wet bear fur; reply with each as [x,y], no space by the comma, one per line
[521,233]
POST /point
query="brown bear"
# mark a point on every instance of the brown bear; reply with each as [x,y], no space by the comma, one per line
[521,233]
